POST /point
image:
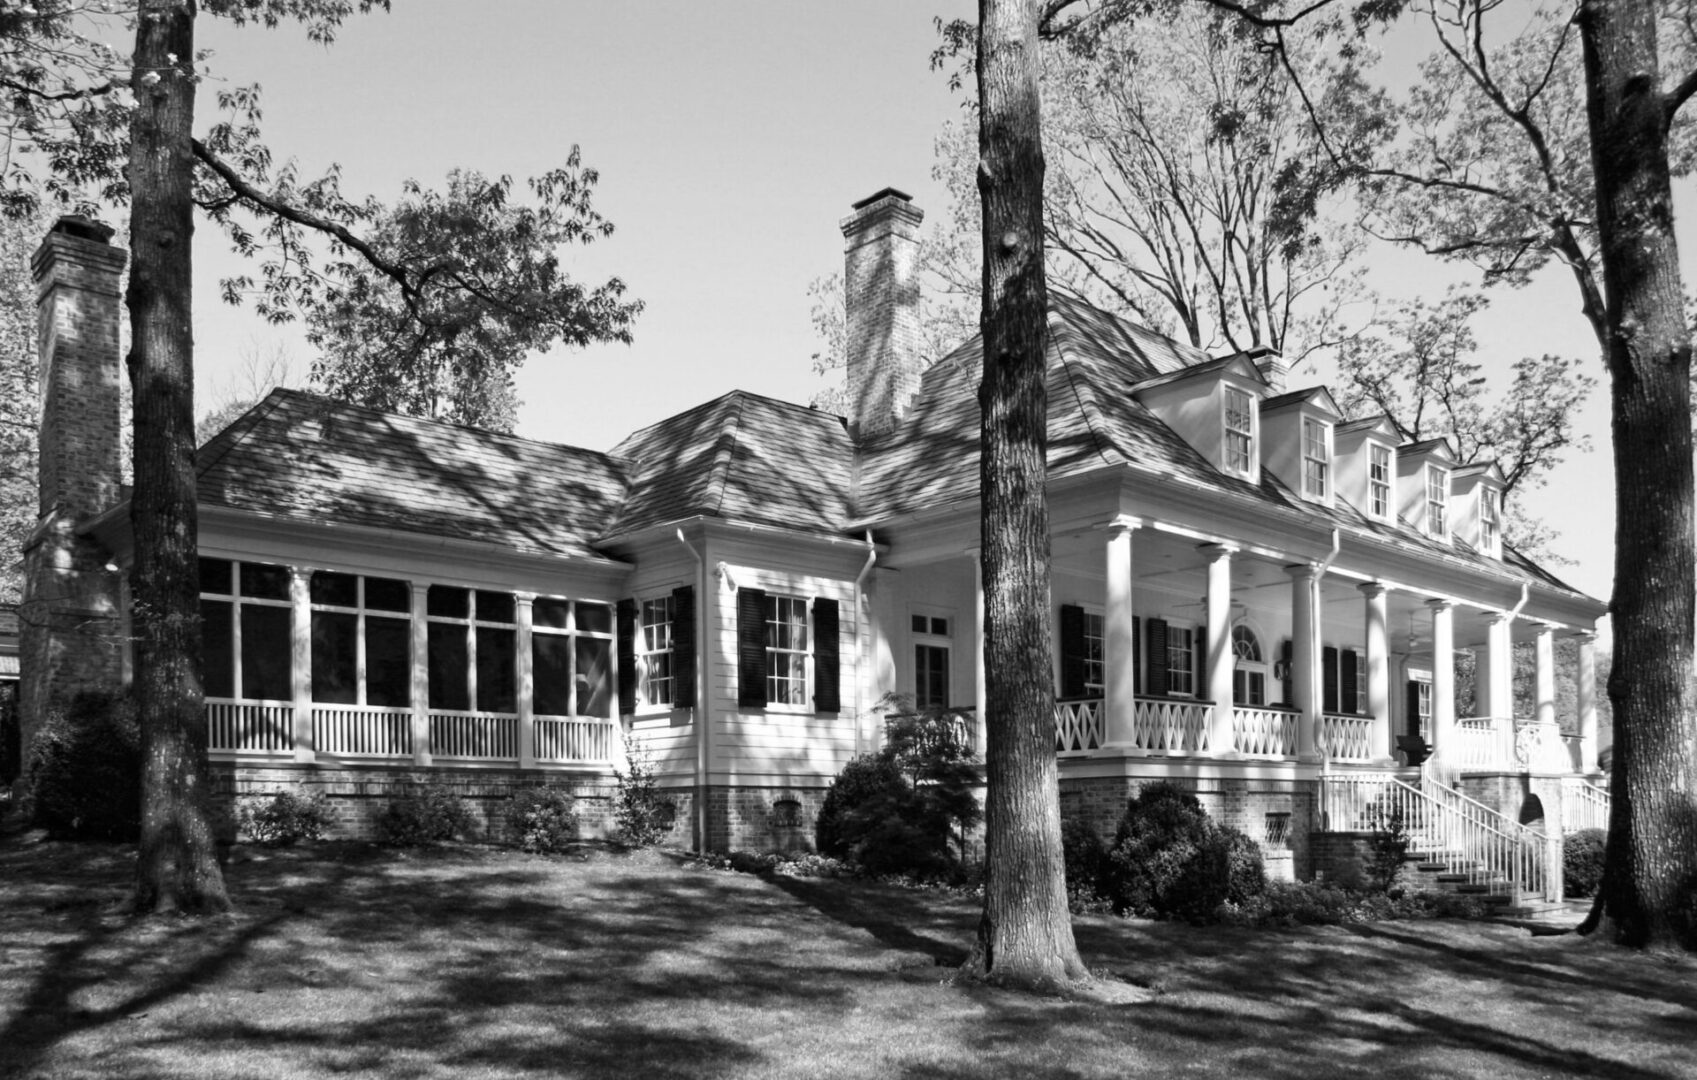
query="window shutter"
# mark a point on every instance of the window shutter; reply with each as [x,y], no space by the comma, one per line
[1136,655]
[1158,657]
[1199,660]
[627,657]
[1411,720]
[1072,651]
[683,647]
[1329,679]
[751,648]
[1287,685]
[1349,690]
[826,663]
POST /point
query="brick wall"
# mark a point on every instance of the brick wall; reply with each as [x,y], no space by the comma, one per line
[881,302]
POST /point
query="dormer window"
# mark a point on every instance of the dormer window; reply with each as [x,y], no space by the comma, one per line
[1437,502]
[1379,481]
[1490,520]
[1316,459]
[1240,431]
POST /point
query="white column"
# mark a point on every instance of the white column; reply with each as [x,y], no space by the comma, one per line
[420,675]
[1119,642]
[300,599]
[982,710]
[1546,674]
[1443,679]
[1587,702]
[527,683]
[1219,646]
[1378,668]
[1494,678]
[1305,655]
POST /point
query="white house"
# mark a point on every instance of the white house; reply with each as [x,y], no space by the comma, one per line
[1253,595]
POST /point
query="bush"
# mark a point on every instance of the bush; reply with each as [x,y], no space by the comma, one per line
[1582,862]
[868,780]
[85,769]
[284,819]
[545,820]
[1170,860]
[426,815]
[11,736]
[642,815]
[1322,903]
[1086,864]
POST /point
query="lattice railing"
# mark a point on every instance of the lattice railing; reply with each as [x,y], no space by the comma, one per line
[362,730]
[476,735]
[576,739]
[1264,732]
[1172,726]
[1345,737]
[250,726]
[1079,725]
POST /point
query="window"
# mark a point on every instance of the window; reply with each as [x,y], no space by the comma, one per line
[786,650]
[1490,519]
[931,656]
[472,650]
[1379,480]
[1093,652]
[1437,501]
[246,630]
[1423,707]
[1240,431]
[571,650]
[361,640]
[654,651]
[1316,459]
[1249,669]
[1181,660]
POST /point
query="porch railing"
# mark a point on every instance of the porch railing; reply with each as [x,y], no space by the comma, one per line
[477,736]
[362,730]
[266,727]
[1485,742]
[567,738]
[1584,805]
[1346,737]
[1172,726]
[1264,732]
[1079,725]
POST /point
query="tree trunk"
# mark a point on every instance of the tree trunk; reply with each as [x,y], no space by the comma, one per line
[177,868]
[1025,937]
[1649,891]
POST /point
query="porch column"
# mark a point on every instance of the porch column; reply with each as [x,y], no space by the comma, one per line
[1443,679]
[1220,657]
[1119,643]
[1378,668]
[1305,655]
[981,711]
[1494,681]
[1546,674]
[300,641]
[527,683]
[1587,702]
[420,675]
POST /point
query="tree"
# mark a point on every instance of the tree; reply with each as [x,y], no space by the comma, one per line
[258,374]
[19,400]
[1025,934]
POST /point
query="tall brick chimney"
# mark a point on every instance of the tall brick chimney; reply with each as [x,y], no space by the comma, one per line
[881,297]
[71,618]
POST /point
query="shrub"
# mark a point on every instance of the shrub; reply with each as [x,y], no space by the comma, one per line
[1324,903]
[642,815]
[1582,862]
[1389,851]
[545,820]
[1086,860]
[284,819]
[868,780]
[11,736]
[425,815]
[85,769]
[1170,860]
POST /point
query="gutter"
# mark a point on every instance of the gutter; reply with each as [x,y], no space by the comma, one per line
[859,592]
[701,710]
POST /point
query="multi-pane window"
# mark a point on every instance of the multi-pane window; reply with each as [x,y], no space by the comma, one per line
[571,651]
[1249,671]
[654,651]
[246,630]
[1240,431]
[1437,501]
[361,640]
[472,650]
[1490,519]
[786,650]
[1093,633]
[1181,660]
[1316,459]
[930,662]
[1379,480]
[1423,707]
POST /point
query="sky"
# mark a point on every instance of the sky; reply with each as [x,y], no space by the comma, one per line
[731,138]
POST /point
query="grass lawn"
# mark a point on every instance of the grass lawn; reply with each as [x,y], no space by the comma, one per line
[353,961]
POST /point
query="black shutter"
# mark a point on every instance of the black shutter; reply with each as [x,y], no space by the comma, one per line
[1349,675]
[683,647]
[1411,720]
[1158,657]
[1329,679]
[627,657]
[751,648]
[1136,655]
[826,664]
[1199,660]
[1072,651]
[1287,683]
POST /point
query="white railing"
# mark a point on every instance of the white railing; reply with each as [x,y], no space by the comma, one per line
[1575,752]
[1345,737]
[1172,726]
[1539,747]
[1443,825]
[1079,725]
[1584,805]
[574,738]
[362,730]
[250,726]
[478,735]
[1484,742]
[1264,732]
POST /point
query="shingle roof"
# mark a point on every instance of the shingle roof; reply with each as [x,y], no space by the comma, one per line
[303,457]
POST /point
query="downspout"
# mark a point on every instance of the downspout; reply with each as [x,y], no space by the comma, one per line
[859,591]
[1318,630]
[701,710]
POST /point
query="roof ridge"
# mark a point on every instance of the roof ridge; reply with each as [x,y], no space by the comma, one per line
[722,456]
[1088,410]
[268,403]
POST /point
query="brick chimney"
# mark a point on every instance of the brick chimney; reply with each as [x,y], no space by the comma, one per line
[881,298]
[71,618]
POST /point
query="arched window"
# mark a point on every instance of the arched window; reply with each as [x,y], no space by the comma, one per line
[1249,671]
[1245,644]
